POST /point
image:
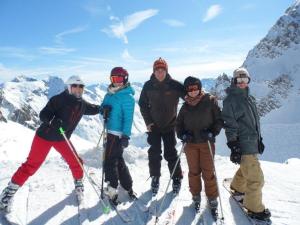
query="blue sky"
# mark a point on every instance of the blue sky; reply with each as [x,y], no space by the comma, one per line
[88,37]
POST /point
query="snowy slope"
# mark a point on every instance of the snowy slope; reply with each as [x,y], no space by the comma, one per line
[48,198]
[275,68]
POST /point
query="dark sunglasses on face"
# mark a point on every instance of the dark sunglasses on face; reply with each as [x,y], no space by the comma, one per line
[77,85]
[192,88]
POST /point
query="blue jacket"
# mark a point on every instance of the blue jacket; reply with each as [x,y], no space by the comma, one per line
[121,116]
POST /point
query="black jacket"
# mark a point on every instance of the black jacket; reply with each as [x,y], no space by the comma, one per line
[206,115]
[69,109]
[159,101]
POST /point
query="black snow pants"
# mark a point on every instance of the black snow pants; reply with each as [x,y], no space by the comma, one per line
[114,165]
[170,153]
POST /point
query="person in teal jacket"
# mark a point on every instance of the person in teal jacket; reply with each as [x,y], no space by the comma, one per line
[119,103]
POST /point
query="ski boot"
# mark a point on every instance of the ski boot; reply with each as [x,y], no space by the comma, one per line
[176,185]
[6,198]
[79,189]
[132,195]
[260,216]
[239,196]
[112,195]
[197,201]
[213,205]
[155,185]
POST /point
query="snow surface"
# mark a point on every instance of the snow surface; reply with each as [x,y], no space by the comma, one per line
[48,197]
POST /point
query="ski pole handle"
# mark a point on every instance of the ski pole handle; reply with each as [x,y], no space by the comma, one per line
[61,130]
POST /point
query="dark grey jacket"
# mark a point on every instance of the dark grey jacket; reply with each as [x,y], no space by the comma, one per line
[206,115]
[159,101]
[241,119]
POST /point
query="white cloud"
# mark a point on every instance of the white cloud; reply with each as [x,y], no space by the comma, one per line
[129,23]
[126,56]
[97,7]
[56,50]
[14,52]
[174,23]
[58,39]
[212,12]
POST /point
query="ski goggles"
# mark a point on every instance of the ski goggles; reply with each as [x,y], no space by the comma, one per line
[77,85]
[192,88]
[117,79]
[240,80]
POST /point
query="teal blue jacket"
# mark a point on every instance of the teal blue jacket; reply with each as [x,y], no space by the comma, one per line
[121,116]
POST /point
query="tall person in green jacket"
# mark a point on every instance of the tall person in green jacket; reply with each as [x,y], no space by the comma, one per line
[242,129]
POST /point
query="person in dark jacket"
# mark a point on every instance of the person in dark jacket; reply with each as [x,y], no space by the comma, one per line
[158,105]
[199,121]
[120,102]
[63,110]
[242,129]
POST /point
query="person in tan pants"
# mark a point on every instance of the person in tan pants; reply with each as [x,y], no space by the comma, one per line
[198,122]
[242,129]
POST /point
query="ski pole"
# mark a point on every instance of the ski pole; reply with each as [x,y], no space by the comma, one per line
[106,209]
[100,137]
[215,172]
[161,204]
[103,156]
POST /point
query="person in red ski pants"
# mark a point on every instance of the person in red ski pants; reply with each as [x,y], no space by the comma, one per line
[63,110]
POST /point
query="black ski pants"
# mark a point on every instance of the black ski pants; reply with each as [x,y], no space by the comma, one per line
[170,153]
[114,165]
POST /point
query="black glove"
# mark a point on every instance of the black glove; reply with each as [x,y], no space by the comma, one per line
[124,141]
[187,137]
[236,154]
[105,110]
[207,135]
[261,146]
[56,123]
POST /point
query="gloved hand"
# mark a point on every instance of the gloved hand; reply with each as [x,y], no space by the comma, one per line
[187,137]
[56,123]
[207,135]
[105,110]
[152,128]
[261,146]
[236,154]
[124,141]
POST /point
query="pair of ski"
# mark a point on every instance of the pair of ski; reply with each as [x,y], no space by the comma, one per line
[123,215]
[253,221]
[153,214]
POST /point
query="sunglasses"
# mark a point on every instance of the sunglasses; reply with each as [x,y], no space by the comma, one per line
[240,80]
[117,79]
[77,86]
[192,88]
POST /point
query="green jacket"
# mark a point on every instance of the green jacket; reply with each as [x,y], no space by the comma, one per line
[241,119]
[194,119]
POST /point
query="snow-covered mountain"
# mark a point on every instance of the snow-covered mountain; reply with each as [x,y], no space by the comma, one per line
[275,69]
[23,98]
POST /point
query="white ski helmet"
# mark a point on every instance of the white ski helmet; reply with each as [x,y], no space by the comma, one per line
[74,80]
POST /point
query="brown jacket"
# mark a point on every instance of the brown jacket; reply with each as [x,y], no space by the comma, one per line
[159,101]
[194,119]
